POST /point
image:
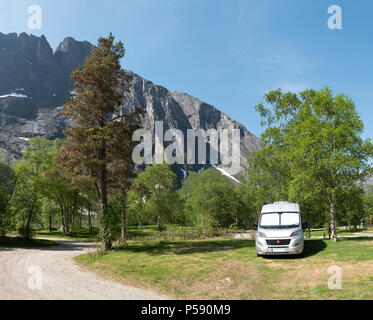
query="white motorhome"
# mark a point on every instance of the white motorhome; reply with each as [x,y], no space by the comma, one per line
[280,229]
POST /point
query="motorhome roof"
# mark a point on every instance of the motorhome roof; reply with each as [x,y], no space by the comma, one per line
[281,206]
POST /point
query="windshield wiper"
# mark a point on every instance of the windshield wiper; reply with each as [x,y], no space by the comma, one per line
[291,226]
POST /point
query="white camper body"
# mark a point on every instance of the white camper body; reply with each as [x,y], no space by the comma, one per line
[280,229]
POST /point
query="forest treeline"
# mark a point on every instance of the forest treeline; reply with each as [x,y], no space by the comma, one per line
[312,153]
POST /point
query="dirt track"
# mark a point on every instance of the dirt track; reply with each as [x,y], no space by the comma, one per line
[61,278]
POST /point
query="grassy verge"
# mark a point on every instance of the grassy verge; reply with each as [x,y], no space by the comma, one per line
[150,232]
[80,235]
[342,232]
[16,242]
[229,269]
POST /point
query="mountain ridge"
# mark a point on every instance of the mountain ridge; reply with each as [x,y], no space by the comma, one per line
[35,82]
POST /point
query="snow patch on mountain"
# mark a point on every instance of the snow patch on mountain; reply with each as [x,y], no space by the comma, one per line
[14,95]
[222,171]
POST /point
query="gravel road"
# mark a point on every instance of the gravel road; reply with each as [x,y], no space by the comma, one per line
[51,273]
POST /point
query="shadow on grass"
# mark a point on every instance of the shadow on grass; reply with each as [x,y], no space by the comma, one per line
[311,248]
[152,233]
[79,234]
[14,243]
[188,247]
[140,234]
[9,243]
[356,239]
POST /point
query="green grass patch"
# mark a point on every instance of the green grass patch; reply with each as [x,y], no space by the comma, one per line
[79,235]
[320,233]
[229,269]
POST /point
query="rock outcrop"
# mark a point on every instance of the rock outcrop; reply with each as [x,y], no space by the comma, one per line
[35,82]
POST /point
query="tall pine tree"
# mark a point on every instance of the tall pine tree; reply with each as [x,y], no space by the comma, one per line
[100,141]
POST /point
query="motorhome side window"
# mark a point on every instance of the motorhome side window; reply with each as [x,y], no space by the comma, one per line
[280,219]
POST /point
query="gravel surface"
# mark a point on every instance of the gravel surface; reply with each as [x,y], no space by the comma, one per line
[61,278]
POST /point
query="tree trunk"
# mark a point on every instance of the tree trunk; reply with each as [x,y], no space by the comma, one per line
[81,218]
[159,223]
[50,222]
[63,221]
[104,201]
[332,222]
[89,221]
[27,231]
[74,213]
[72,225]
[124,220]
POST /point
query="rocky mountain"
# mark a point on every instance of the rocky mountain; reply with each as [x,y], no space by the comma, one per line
[35,82]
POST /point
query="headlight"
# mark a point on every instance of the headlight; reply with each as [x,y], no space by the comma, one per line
[296,233]
[261,234]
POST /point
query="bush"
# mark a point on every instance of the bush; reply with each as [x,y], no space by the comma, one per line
[112,222]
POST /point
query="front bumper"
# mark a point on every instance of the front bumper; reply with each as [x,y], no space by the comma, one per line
[295,246]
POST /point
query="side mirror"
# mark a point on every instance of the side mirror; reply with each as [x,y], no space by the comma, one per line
[305,225]
[255,225]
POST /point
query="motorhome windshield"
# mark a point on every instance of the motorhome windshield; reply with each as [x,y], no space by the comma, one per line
[280,220]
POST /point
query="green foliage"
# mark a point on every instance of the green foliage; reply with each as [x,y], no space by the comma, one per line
[138,212]
[186,190]
[245,206]
[26,198]
[154,190]
[368,202]
[312,152]
[213,200]
[98,150]
[62,197]
[7,182]
[48,213]
[112,219]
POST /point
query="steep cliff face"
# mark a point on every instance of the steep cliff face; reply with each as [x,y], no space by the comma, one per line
[182,111]
[205,116]
[35,82]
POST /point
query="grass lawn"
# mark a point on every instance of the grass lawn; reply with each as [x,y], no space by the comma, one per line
[11,242]
[80,235]
[150,232]
[230,269]
[341,232]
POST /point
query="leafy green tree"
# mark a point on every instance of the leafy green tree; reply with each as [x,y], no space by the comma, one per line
[102,133]
[368,201]
[7,184]
[27,195]
[49,212]
[65,196]
[318,139]
[187,185]
[157,186]
[112,219]
[245,206]
[213,202]
[138,212]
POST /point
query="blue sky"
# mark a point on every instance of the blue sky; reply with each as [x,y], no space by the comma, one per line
[228,53]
